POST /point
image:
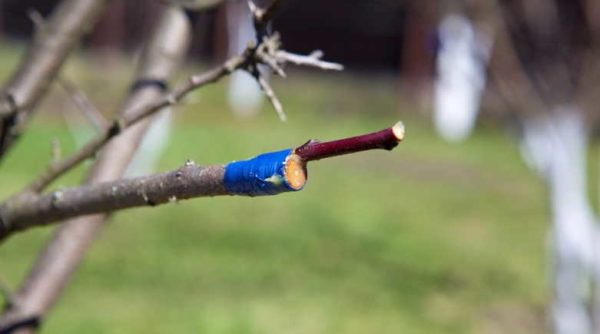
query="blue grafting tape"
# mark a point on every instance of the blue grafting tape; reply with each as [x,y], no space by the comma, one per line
[261,175]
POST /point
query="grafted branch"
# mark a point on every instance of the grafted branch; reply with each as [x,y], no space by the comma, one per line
[189,181]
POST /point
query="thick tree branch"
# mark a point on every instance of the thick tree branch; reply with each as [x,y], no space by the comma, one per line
[189,181]
[46,54]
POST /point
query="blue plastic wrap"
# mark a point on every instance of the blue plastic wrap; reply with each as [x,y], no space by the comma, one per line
[261,175]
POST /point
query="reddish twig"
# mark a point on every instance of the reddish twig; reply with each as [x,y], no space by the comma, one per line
[385,139]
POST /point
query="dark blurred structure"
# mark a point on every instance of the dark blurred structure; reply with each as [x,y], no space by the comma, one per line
[365,35]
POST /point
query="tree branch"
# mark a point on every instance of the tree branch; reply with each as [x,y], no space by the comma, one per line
[45,56]
[270,94]
[189,181]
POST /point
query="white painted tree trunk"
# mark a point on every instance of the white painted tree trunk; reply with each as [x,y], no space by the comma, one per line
[460,64]
[556,145]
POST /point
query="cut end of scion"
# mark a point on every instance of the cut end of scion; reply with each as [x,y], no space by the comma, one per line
[398,130]
[295,172]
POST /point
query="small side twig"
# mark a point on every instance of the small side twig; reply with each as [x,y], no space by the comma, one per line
[266,88]
[83,103]
[314,60]
[56,150]
[37,19]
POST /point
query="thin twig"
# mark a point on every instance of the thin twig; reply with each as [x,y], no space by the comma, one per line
[56,150]
[83,103]
[266,88]
[37,19]
[314,60]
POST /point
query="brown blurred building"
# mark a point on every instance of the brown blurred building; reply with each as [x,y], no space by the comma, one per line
[364,35]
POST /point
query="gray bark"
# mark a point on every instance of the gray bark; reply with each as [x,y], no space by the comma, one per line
[187,182]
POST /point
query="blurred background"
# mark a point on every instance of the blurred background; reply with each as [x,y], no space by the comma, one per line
[455,231]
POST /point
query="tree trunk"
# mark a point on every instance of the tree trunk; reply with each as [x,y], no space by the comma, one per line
[557,146]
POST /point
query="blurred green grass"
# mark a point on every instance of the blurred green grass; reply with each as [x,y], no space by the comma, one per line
[428,238]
